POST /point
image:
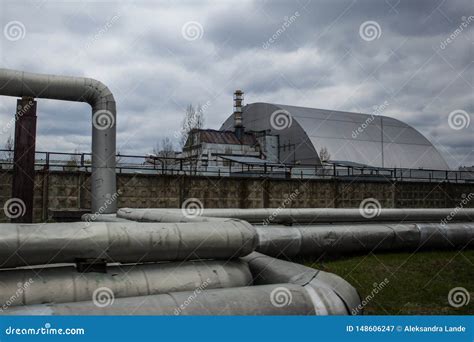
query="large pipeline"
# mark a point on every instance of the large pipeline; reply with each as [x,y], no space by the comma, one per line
[343,238]
[283,288]
[306,215]
[316,240]
[66,284]
[98,96]
[126,242]
[340,297]
[250,300]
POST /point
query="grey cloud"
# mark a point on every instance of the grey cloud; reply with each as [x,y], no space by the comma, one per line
[319,60]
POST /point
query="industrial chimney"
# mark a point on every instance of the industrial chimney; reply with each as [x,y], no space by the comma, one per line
[238,127]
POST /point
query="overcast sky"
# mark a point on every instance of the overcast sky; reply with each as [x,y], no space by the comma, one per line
[159,56]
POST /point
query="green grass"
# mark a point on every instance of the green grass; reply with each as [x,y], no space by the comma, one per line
[418,284]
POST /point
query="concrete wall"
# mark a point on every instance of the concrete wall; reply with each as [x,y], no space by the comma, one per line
[71,190]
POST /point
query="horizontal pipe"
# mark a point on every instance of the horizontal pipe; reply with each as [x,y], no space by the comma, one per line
[305,215]
[275,299]
[280,288]
[66,284]
[126,242]
[316,240]
[154,215]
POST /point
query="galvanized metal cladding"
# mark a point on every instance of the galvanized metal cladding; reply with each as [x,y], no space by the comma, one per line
[282,241]
[298,215]
[104,118]
[282,288]
[234,280]
[336,231]
[65,284]
[37,244]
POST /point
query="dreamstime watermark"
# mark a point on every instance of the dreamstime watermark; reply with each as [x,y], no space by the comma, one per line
[110,199]
[459,119]
[290,198]
[102,297]
[192,297]
[192,30]
[370,30]
[458,297]
[465,200]
[22,286]
[377,287]
[103,30]
[14,208]
[465,21]
[22,110]
[14,30]
[287,21]
[370,208]
[280,297]
[376,112]
[46,330]
[192,207]
[103,119]
[281,119]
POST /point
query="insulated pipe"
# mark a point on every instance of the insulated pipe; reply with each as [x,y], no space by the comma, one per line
[66,284]
[281,288]
[275,299]
[339,297]
[158,215]
[49,243]
[283,241]
[98,96]
[307,215]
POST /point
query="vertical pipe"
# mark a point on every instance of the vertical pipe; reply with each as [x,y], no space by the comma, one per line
[24,157]
[98,96]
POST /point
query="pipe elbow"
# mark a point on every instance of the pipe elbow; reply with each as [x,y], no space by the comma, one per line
[98,95]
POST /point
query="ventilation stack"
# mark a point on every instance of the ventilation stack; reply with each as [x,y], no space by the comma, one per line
[238,127]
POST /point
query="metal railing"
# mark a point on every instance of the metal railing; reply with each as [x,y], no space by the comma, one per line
[149,164]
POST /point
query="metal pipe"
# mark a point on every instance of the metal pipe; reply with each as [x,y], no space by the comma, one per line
[275,299]
[98,96]
[176,215]
[66,284]
[307,215]
[281,288]
[283,241]
[339,296]
[38,244]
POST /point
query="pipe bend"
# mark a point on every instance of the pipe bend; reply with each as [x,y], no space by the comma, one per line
[78,89]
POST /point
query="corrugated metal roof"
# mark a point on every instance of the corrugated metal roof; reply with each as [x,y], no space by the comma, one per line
[225,137]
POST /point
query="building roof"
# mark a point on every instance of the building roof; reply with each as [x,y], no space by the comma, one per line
[225,137]
[372,140]
[250,160]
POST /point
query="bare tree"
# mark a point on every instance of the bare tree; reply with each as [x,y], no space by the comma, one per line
[193,118]
[163,150]
[74,161]
[324,154]
[9,146]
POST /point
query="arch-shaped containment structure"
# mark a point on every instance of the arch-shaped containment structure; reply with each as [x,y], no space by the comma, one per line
[372,140]
[99,97]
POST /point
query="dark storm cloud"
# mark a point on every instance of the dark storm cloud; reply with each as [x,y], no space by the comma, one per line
[306,53]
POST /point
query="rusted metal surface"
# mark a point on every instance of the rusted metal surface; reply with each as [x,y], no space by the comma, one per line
[24,158]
